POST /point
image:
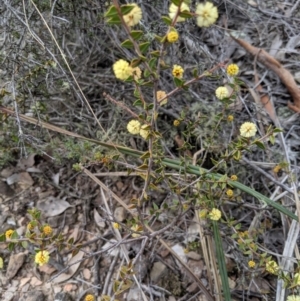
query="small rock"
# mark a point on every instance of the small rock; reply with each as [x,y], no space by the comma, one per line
[15,262]
[193,255]
[197,267]
[87,274]
[35,296]
[63,297]
[134,294]
[179,250]
[35,282]
[157,271]
[120,214]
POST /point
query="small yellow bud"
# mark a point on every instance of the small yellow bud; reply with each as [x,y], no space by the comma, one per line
[116,225]
[251,264]
[172,36]
[176,122]
[233,178]
[89,297]
[276,169]
[229,193]
[47,230]
[9,233]
[230,118]
[232,69]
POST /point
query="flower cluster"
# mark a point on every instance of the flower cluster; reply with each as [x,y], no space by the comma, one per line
[47,230]
[42,257]
[232,69]
[9,233]
[248,129]
[215,214]
[177,71]
[134,16]
[89,297]
[272,267]
[172,36]
[134,127]
[222,92]
[251,264]
[136,228]
[173,9]
[123,70]
[160,96]
[207,14]
[229,193]
[233,178]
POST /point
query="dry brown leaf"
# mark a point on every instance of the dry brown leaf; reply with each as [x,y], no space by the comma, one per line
[271,63]
[15,262]
[53,206]
[72,270]
[98,219]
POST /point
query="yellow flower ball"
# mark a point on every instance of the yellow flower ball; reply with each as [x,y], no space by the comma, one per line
[176,122]
[207,14]
[122,69]
[230,118]
[47,230]
[161,95]
[232,69]
[134,127]
[251,264]
[177,71]
[89,297]
[272,267]
[116,225]
[229,193]
[248,129]
[144,132]
[172,36]
[222,92]
[134,16]
[233,178]
[173,11]
[215,214]
[9,233]
[42,257]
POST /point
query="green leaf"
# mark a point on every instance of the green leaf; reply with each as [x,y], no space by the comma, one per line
[272,139]
[11,246]
[136,34]
[127,44]
[167,20]
[125,9]
[176,2]
[2,237]
[14,235]
[24,244]
[112,11]
[155,53]
[178,82]
[144,47]
[135,62]
[277,130]
[138,103]
[146,155]
[147,73]
[185,14]
[152,63]
[259,144]
[114,20]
